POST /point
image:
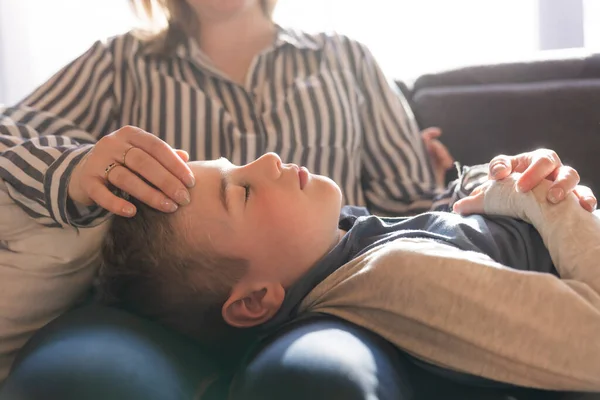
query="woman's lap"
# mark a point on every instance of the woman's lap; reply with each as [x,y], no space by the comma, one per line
[324,357]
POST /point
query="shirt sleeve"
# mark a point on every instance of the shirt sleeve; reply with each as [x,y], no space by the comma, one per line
[397,176]
[44,136]
[469,177]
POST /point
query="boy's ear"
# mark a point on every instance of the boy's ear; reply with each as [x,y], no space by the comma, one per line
[249,306]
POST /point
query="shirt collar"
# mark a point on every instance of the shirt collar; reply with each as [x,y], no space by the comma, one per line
[285,36]
[296,38]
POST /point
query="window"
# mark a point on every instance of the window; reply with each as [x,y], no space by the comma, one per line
[408,37]
[38,37]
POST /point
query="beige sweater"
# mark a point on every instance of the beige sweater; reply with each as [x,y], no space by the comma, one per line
[463,311]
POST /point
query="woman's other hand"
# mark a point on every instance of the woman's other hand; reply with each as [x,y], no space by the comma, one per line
[441,159]
[538,165]
[121,159]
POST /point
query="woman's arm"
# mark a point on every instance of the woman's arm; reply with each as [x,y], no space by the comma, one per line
[44,136]
[396,171]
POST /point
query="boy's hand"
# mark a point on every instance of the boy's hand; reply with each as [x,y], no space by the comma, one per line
[502,198]
[473,203]
[538,165]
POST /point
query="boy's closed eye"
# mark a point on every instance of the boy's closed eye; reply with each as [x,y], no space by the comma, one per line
[247,192]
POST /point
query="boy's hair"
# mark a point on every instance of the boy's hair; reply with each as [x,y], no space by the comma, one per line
[172,21]
[149,268]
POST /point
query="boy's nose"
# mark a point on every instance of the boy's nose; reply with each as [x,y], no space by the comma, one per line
[273,158]
[270,163]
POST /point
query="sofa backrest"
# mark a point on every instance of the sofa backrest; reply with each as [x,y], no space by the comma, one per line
[511,108]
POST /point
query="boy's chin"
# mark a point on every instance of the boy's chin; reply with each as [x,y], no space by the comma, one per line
[326,181]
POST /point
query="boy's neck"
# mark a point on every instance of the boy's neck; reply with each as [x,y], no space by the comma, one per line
[337,239]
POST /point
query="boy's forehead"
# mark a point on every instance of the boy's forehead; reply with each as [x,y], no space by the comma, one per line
[205,194]
[204,205]
[198,167]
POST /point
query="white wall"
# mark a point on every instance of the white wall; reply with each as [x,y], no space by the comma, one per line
[38,37]
[2,76]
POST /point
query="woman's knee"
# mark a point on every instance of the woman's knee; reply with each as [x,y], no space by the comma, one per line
[324,358]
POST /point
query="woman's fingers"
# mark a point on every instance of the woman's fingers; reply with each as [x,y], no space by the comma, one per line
[138,163]
[443,155]
[565,181]
[185,157]
[148,167]
[441,158]
[126,180]
[501,166]
[103,197]
[534,167]
[537,166]
[161,152]
[431,133]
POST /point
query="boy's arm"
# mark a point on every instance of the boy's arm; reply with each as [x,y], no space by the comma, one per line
[571,234]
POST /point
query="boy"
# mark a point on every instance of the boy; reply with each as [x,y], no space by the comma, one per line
[260,244]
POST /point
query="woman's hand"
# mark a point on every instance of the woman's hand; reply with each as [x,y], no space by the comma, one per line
[534,166]
[118,159]
[441,159]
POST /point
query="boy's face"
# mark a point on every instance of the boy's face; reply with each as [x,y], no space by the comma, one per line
[279,217]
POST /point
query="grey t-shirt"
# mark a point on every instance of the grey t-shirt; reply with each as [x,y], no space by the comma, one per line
[508,241]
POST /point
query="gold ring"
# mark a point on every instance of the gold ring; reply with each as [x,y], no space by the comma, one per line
[108,169]
[125,155]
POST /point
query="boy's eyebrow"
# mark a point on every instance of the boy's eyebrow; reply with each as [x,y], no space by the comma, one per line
[223,190]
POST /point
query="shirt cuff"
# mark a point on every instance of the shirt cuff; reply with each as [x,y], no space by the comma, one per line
[56,183]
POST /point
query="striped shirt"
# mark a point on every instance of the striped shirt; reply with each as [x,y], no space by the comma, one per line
[317,100]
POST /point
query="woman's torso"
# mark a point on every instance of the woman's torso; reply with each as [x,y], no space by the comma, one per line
[301,100]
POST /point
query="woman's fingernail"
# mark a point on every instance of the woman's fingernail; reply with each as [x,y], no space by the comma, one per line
[496,169]
[189,180]
[168,205]
[555,195]
[129,210]
[182,196]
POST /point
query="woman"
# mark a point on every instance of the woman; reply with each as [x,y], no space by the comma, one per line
[223,80]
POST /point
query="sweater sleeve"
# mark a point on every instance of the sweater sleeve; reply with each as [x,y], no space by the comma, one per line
[571,234]
[462,311]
